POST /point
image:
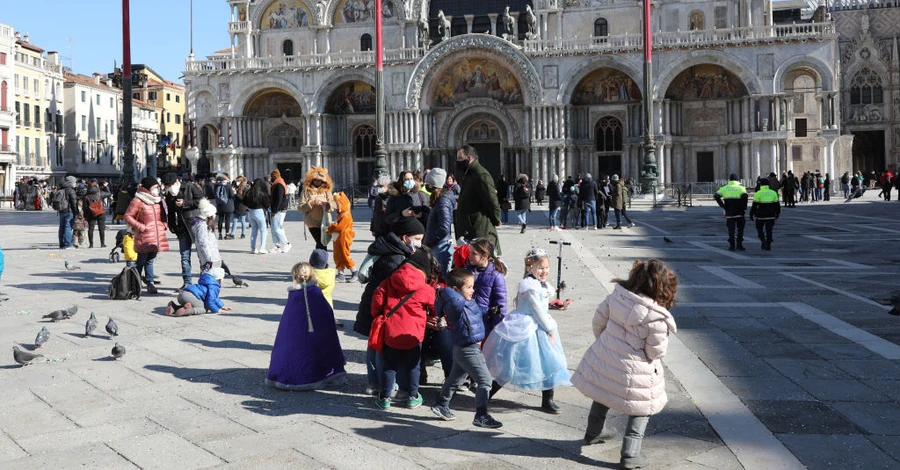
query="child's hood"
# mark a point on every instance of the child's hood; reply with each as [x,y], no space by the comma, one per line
[407,278]
[635,309]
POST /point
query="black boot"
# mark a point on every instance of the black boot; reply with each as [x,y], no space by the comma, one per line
[740,245]
[730,245]
[547,403]
[523,228]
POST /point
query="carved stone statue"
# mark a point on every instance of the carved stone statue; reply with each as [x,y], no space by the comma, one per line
[443,25]
[407,9]
[530,23]
[320,12]
[510,25]
[424,32]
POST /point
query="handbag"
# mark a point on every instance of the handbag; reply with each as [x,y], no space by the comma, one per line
[96,208]
[324,236]
[376,334]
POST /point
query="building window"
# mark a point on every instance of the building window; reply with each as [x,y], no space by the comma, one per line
[18,115]
[83,96]
[365,42]
[111,103]
[98,100]
[866,88]
[83,123]
[459,26]
[178,98]
[112,126]
[27,113]
[608,134]
[284,137]
[27,151]
[168,97]
[601,28]
[177,119]
[97,129]
[37,151]
[83,152]
[3,99]
[168,117]
[2,58]
[151,96]
[287,47]
[136,96]
[800,127]
[37,117]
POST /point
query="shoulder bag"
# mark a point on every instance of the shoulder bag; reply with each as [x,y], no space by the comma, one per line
[376,334]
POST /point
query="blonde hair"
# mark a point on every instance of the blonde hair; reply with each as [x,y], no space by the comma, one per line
[303,272]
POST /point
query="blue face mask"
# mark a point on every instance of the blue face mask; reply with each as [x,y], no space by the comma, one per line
[409,184]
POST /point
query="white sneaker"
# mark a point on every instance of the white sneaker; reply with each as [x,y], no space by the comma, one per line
[286,248]
[262,251]
[276,249]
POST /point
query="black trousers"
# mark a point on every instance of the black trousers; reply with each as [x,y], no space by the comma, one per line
[766,225]
[735,223]
[316,233]
[789,197]
[224,217]
[602,215]
[100,222]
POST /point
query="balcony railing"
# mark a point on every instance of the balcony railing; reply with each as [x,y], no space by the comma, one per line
[684,39]
[338,59]
[840,5]
[238,26]
[6,148]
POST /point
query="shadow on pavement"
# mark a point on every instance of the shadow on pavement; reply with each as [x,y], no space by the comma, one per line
[230,344]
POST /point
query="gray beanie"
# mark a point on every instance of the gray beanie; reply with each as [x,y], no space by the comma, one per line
[615,178]
[437,177]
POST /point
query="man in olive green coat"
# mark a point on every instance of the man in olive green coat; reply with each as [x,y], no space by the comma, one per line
[477,210]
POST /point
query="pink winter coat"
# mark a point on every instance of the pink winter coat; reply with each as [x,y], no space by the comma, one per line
[622,369]
[149,222]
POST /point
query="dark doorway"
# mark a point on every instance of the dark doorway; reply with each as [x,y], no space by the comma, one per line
[706,166]
[291,172]
[868,151]
[489,156]
[608,165]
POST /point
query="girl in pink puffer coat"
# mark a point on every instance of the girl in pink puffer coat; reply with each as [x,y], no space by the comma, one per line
[147,215]
[623,370]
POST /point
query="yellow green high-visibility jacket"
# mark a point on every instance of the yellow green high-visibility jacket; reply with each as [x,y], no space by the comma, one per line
[733,198]
[765,204]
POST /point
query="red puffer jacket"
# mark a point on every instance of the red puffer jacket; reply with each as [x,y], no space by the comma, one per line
[148,221]
[406,327]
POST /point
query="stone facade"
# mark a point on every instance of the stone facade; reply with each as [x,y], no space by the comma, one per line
[560,94]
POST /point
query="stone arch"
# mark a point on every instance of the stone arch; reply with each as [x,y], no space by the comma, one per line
[730,63]
[588,66]
[320,98]
[266,101]
[257,16]
[239,103]
[452,132]
[824,74]
[475,44]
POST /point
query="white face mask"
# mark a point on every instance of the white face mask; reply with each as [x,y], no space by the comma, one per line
[414,245]
[173,190]
[154,191]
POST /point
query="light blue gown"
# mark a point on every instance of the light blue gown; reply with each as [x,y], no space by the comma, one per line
[519,351]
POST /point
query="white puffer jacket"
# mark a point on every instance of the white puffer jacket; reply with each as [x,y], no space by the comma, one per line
[622,369]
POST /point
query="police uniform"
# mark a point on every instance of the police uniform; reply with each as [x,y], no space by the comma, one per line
[733,198]
[766,209]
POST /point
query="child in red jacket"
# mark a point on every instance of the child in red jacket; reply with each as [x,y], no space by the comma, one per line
[408,294]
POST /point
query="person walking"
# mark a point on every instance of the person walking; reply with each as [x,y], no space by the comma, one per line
[477,209]
[182,201]
[845,184]
[828,183]
[554,197]
[503,199]
[588,192]
[789,189]
[766,209]
[540,191]
[604,199]
[66,204]
[733,198]
[256,198]
[95,212]
[619,201]
[148,217]
[240,209]
[279,199]
[224,205]
[522,198]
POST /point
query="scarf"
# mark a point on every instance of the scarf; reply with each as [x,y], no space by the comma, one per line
[147,198]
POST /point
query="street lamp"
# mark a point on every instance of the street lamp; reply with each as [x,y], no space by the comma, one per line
[649,170]
[380,153]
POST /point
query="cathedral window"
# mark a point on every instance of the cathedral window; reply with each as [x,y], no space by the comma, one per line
[285,138]
[601,27]
[365,42]
[866,88]
[608,134]
[287,47]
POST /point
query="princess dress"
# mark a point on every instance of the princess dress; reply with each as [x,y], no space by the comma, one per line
[519,351]
[307,353]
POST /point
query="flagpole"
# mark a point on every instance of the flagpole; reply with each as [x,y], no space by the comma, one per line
[128,158]
[380,152]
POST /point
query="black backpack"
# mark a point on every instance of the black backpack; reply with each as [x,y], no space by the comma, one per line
[126,285]
[60,201]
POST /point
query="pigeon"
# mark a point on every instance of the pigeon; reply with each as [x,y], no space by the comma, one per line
[895,303]
[239,282]
[71,267]
[112,328]
[667,240]
[42,337]
[56,315]
[90,325]
[70,312]
[24,357]
[118,351]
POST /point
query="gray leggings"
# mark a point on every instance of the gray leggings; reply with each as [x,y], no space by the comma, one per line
[468,361]
[634,430]
[197,308]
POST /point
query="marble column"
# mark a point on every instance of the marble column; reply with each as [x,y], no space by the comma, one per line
[678,163]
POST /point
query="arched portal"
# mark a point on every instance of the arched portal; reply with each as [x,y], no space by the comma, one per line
[608,136]
[363,141]
[273,103]
[353,97]
[209,139]
[485,136]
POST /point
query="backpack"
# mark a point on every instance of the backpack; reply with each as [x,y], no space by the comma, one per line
[96,208]
[365,269]
[60,202]
[126,285]
[221,195]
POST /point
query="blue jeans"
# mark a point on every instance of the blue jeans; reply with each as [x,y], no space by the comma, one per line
[278,236]
[234,220]
[184,247]
[504,217]
[258,229]
[66,224]
[145,264]
[522,216]
[554,217]
[819,192]
[590,213]
[404,359]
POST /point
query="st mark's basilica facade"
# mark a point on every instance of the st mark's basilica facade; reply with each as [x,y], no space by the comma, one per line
[539,87]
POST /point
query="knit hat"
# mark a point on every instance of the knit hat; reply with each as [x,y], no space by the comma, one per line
[217,273]
[615,177]
[733,177]
[408,226]
[318,259]
[149,182]
[206,209]
[170,179]
[421,259]
[437,177]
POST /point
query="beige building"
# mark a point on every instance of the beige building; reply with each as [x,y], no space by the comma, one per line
[7,110]
[153,89]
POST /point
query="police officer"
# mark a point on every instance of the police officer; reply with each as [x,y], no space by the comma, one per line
[733,198]
[766,209]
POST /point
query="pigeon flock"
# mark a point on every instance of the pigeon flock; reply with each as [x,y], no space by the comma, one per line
[25,358]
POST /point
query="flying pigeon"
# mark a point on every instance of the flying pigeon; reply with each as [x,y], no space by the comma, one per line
[71,267]
[70,312]
[895,303]
[112,328]
[56,315]
[239,282]
[118,351]
[90,325]
[24,357]
[667,240]
[42,337]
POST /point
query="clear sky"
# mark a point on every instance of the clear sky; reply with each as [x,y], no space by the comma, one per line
[88,33]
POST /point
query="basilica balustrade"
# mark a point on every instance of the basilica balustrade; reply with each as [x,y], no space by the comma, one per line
[841,5]
[744,36]
[351,59]
[237,27]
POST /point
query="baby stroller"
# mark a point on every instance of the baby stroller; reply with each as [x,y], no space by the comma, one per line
[114,253]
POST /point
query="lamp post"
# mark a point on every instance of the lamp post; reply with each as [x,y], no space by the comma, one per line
[649,170]
[380,153]
[128,160]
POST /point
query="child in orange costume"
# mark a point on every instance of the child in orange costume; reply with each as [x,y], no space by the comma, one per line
[343,227]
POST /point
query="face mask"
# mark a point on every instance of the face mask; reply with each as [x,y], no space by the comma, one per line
[409,184]
[381,190]
[414,245]
[462,166]
[173,190]
[154,191]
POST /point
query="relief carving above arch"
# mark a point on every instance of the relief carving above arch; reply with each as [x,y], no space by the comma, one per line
[477,109]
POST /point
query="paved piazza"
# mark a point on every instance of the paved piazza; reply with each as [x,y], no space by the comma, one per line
[783,359]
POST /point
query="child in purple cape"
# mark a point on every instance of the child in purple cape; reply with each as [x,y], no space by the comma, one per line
[307,354]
